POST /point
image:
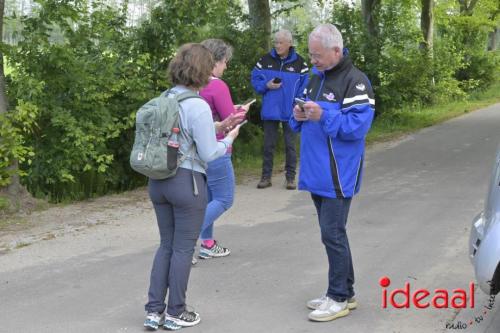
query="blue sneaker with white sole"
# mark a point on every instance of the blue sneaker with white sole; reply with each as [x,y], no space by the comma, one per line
[154,320]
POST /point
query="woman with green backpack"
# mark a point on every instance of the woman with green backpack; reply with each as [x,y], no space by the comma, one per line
[179,208]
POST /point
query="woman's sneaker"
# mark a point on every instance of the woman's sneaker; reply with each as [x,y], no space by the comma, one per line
[329,310]
[213,252]
[185,319]
[316,303]
[154,320]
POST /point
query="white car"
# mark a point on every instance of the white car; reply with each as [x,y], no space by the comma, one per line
[484,242]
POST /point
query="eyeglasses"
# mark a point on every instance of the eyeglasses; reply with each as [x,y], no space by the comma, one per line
[319,56]
[315,56]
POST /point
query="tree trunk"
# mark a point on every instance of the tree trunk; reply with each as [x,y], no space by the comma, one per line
[493,40]
[260,20]
[3,99]
[427,24]
[14,191]
[367,10]
[494,36]
[371,44]
[467,7]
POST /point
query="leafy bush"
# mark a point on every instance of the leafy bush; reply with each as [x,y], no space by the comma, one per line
[85,86]
[14,127]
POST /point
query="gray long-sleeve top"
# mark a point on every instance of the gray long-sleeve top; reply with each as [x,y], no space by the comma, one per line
[198,130]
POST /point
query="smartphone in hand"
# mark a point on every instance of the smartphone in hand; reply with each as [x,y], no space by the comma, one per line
[276,80]
[300,102]
[243,123]
[249,101]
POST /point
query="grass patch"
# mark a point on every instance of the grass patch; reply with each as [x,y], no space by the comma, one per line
[247,154]
[12,222]
[407,120]
[249,167]
[4,204]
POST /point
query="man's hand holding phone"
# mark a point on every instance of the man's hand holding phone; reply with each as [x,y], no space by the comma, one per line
[313,111]
[306,110]
[299,114]
[274,83]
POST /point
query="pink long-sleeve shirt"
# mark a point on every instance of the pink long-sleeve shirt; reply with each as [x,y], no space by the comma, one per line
[217,95]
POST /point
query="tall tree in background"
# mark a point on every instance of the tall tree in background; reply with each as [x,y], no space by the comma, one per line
[14,185]
[16,194]
[493,36]
[3,98]
[371,46]
[260,20]
[427,25]
[368,10]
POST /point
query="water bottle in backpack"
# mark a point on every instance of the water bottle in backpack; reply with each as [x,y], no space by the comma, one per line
[173,149]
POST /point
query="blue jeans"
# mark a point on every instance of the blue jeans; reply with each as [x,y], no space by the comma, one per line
[332,214]
[220,181]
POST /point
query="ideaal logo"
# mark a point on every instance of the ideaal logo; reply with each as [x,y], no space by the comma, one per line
[439,299]
[423,298]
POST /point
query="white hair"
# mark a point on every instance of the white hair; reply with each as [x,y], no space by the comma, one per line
[285,34]
[329,36]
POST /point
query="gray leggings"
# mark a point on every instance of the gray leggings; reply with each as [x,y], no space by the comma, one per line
[180,215]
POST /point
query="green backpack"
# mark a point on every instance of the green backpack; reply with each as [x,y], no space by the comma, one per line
[154,128]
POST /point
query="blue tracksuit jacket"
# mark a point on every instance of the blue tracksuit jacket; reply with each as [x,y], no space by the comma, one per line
[293,71]
[332,149]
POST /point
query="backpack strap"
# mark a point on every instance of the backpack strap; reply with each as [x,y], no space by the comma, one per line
[182,97]
[186,95]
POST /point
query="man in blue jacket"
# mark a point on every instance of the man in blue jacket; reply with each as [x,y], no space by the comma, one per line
[280,76]
[333,122]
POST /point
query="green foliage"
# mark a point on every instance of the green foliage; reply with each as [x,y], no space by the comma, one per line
[85,87]
[404,74]
[14,127]
[469,32]
[92,73]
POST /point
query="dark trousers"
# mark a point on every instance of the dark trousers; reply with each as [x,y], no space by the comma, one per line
[179,214]
[332,214]
[270,137]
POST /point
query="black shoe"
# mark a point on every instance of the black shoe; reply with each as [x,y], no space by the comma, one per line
[290,184]
[264,182]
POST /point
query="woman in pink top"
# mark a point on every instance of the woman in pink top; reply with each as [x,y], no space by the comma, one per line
[220,173]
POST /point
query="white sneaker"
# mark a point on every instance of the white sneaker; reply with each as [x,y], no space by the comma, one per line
[314,304]
[329,310]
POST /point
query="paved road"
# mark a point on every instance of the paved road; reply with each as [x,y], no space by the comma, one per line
[410,223]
